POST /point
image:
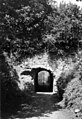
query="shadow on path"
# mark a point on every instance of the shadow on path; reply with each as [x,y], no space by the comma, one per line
[40,105]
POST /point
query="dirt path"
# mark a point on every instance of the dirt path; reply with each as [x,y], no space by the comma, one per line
[43,107]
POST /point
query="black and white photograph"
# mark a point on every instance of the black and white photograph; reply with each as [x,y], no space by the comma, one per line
[40,59]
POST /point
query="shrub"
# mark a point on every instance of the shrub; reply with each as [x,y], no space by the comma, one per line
[9,87]
[73,94]
[72,70]
[62,83]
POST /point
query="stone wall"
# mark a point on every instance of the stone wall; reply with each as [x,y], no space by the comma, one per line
[58,67]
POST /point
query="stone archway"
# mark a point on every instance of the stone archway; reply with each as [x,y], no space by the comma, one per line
[43,80]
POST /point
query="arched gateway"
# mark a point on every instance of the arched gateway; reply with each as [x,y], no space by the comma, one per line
[43,81]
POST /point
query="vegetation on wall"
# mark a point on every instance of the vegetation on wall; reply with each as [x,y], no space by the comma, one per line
[22,26]
[66,29]
[31,27]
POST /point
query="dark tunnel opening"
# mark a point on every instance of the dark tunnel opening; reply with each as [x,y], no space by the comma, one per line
[43,80]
